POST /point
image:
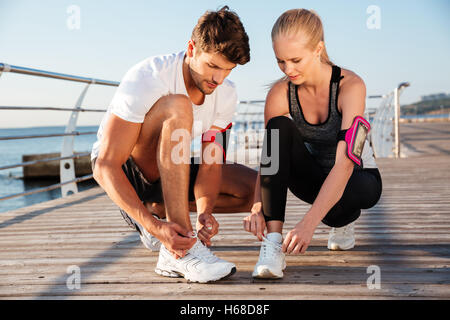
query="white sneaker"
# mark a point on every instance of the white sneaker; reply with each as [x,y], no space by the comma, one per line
[198,265]
[271,262]
[342,238]
[150,242]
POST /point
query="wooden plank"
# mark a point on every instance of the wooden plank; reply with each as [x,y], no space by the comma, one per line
[259,291]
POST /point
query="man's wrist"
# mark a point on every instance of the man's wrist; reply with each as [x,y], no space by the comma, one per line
[205,204]
[151,224]
[204,212]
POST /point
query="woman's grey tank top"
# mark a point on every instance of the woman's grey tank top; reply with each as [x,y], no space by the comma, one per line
[321,139]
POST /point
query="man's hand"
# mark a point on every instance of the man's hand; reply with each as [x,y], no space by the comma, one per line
[207,227]
[255,222]
[175,238]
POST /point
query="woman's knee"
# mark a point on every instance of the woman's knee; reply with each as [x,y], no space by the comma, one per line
[337,217]
[279,122]
[363,190]
[341,215]
[283,130]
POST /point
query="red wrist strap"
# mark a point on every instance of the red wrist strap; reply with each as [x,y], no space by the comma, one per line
[210,136]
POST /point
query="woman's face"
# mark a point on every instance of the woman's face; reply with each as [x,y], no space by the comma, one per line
[294,58]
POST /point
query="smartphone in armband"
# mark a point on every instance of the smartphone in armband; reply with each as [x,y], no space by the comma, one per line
[355,138]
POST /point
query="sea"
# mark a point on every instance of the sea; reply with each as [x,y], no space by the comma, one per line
[11,152]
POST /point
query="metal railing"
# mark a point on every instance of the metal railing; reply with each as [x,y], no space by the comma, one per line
[385,133]
[248,125]
[68,181]
[48,74]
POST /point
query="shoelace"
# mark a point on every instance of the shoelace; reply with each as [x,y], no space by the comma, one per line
[203,252]
[269,249]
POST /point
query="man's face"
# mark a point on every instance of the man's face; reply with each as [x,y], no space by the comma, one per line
[209,70]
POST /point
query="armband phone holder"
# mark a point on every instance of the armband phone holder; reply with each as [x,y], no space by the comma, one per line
[355,137]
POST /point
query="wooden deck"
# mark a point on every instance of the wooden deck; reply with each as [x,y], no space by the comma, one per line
[407,235]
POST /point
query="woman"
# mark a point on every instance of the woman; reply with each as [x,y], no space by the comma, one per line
[313,163]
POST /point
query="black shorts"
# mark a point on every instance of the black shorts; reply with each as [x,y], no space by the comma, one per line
[152,192]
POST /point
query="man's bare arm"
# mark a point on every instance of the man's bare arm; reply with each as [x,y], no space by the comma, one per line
[118,140]
[207,187]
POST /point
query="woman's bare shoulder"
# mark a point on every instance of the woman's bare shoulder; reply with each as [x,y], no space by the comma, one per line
[351,83]
[277,101]
[350,78]
[278,93]
[352,93]
[278,87]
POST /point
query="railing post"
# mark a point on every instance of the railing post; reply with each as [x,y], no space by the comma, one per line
[396,123]
[397,93]
[67,167]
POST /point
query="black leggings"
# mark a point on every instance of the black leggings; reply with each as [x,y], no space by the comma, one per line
[299,172]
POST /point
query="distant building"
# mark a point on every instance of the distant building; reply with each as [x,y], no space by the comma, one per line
[435,96]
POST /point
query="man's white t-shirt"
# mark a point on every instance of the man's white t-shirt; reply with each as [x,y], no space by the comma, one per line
[148,81]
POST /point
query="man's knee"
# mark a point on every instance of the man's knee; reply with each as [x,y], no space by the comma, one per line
[173,109]
[177,106]
[170,117]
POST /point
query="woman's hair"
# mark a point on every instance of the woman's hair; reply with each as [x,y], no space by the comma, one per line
[222,31]
[302,22]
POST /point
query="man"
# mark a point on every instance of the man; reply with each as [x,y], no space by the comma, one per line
[137,158]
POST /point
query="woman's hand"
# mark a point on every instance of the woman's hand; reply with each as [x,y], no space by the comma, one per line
[255,222]
[298,239]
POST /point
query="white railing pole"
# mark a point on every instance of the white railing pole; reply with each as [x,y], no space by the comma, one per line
[67,166]
[396,123]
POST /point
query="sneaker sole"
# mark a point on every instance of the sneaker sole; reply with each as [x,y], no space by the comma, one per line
[176,274]
[336,247]
[168,273]
[267,274]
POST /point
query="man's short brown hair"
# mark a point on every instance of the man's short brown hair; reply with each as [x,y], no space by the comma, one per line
[222,32]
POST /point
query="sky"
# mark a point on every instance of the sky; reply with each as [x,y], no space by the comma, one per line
[384,42]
